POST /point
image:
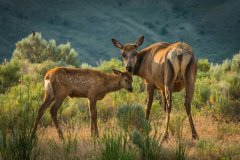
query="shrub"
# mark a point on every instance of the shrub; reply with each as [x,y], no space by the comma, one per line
[132,117]
[203,65]
[16,142]
[235,65]
[36,49]
[202,93]
[149,146]
[105,113]
[180,150]
[107,66]
[115,146]
[204,146]
[210,149]
[9,75]
[226,96]
[233,79]
[226,65]
[176,121]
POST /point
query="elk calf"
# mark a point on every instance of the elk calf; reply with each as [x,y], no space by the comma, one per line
[63,82]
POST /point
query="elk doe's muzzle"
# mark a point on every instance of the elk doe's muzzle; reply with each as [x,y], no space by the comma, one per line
[129,68]
[130,89]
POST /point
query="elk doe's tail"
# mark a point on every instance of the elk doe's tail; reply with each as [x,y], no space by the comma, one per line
[180,57]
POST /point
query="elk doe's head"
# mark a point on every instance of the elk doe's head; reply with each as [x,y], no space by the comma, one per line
[125,79]
[129,52]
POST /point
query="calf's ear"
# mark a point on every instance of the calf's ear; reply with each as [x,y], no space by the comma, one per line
[117,44]
[117,72]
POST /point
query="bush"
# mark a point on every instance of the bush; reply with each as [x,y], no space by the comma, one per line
[203,65]
[176,121]
[217,88]
[235,65]
[149,146]
[9,75]
[202,93]
[233,79]
[132,117]
[107,66]
[16,142]
[36,49]
[115,146]
[105,113]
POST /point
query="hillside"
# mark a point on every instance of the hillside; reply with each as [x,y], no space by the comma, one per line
[211,27]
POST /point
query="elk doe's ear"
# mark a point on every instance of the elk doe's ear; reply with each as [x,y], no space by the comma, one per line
[139,41]
[117,72]
[117,44]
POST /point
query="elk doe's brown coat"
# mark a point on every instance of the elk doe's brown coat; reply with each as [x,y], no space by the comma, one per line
[164,66]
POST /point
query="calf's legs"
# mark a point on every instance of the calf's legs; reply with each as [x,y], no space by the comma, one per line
[47,102]
[53,112]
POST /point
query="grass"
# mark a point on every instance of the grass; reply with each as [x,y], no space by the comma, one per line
[16,142]
[115,145]
[124,132]
[135,139]
[86,148]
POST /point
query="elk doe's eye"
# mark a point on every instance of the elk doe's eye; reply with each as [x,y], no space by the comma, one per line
[126,80]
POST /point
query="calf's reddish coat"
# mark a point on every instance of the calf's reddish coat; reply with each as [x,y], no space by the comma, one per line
[62,82]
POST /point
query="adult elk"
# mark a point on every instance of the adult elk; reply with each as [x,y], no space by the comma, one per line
[164,66]
[62,82]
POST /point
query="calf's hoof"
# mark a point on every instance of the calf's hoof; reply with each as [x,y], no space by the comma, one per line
[164,138]
[195,136]
[60,135]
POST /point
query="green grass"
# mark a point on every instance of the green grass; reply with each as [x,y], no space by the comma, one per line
[116,146]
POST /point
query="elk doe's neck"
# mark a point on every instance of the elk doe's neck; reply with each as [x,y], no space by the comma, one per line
[113,83]
[140,57]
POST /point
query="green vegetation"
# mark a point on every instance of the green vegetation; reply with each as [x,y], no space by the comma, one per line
[125,134]
[9,75]
[130,118]
[217,88]
[116,146]
[36,49]
[16,142]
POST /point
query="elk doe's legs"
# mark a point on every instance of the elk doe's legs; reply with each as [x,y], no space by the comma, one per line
[189,87]
[164,100]
[168,80]
[150,92]
[168,91]
[93,113]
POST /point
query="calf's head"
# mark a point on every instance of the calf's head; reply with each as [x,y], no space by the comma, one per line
[125,79]
[129,52]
